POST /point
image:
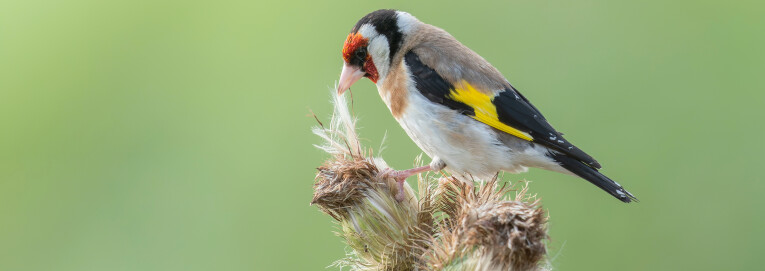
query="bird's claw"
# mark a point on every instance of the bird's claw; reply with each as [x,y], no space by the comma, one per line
[401,175]
[399,178]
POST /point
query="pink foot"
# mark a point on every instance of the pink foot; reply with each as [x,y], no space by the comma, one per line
[400,177]
[400,194]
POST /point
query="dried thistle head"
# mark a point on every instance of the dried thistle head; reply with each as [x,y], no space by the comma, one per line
[381,231]
[482,230]
[342,183]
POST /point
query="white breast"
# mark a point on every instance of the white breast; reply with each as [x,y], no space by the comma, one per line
[464,144]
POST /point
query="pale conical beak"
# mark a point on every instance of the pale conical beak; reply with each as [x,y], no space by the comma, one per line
[350,75]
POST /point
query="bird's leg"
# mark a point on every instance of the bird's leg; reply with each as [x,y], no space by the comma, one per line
[401,175]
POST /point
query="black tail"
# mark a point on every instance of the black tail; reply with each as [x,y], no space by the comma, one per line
[592,175]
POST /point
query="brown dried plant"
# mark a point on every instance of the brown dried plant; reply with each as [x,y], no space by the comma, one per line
[483,229]
[351,187]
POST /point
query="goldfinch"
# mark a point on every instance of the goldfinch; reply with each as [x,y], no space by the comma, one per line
[456,106]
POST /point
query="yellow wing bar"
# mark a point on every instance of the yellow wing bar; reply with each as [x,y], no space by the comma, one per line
[485,110]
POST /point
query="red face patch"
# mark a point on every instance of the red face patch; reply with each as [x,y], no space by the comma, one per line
[354,42]
[371,70]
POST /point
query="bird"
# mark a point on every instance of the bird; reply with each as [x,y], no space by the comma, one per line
[458,108]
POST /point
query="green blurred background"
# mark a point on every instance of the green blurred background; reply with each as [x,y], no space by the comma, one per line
[174,135]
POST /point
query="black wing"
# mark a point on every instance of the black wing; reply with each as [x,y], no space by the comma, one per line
[513,109]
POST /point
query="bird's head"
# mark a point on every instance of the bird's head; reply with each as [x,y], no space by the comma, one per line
[372,43]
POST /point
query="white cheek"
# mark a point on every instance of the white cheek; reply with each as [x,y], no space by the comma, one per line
[378,49]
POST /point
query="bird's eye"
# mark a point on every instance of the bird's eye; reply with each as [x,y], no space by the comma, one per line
[361,53]
[359,57]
